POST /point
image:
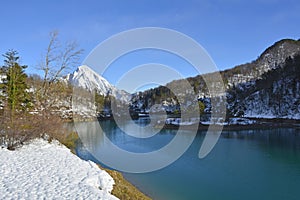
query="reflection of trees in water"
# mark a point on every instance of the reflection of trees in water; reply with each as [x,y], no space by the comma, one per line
[90,134]
[281,144]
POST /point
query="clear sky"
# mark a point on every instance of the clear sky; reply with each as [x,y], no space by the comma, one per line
[233,32]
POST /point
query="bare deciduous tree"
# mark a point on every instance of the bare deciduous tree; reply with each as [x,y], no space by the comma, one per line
[58,59]
[52,93]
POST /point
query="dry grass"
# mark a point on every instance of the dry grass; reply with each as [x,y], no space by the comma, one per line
[69,140]
[123,189]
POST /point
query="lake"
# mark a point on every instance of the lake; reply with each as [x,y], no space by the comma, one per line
[244,164]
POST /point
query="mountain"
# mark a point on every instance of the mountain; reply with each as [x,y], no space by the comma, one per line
[275,95]
[272,58]
[267,87]
[88,79]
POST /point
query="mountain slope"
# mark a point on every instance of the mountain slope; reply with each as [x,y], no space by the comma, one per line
[265,87]
[88,79]
[275,95]
[272,58]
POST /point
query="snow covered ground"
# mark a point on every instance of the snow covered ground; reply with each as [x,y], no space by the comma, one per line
[241,121]
[42,170]
[178,122]
[231,121]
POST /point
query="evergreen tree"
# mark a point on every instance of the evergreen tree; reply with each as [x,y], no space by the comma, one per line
[14,98]
[14,85]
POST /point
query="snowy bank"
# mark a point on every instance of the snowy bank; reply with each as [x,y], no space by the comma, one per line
[42,170]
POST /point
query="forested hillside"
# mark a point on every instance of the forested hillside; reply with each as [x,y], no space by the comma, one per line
[266,87]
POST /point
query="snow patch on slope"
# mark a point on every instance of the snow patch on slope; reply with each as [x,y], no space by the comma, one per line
[42,170]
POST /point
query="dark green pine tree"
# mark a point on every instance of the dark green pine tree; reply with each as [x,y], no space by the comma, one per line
[15,98]
[14,86]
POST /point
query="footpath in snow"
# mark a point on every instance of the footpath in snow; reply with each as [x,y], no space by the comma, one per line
[42,170]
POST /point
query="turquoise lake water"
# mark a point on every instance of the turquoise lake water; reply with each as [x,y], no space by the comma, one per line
[245,164]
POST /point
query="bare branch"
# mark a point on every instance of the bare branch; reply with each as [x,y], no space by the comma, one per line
[50,56]
[69,57]
[57,60]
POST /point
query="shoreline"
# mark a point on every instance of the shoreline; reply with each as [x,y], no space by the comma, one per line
[122,189]
[229,127]
[261,123]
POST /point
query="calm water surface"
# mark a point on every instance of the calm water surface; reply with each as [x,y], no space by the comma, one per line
[248,164]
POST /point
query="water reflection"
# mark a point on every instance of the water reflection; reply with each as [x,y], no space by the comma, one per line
[245,164]
[282,144]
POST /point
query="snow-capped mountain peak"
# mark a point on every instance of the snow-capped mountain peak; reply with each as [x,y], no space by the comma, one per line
[90,80]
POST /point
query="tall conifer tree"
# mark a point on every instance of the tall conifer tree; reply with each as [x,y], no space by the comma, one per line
[15,98]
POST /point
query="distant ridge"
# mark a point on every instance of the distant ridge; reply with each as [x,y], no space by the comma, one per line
[268,87]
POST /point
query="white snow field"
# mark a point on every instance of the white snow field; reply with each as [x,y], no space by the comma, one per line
[42,170]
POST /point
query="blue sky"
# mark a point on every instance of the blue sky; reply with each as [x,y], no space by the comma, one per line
[233,32]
